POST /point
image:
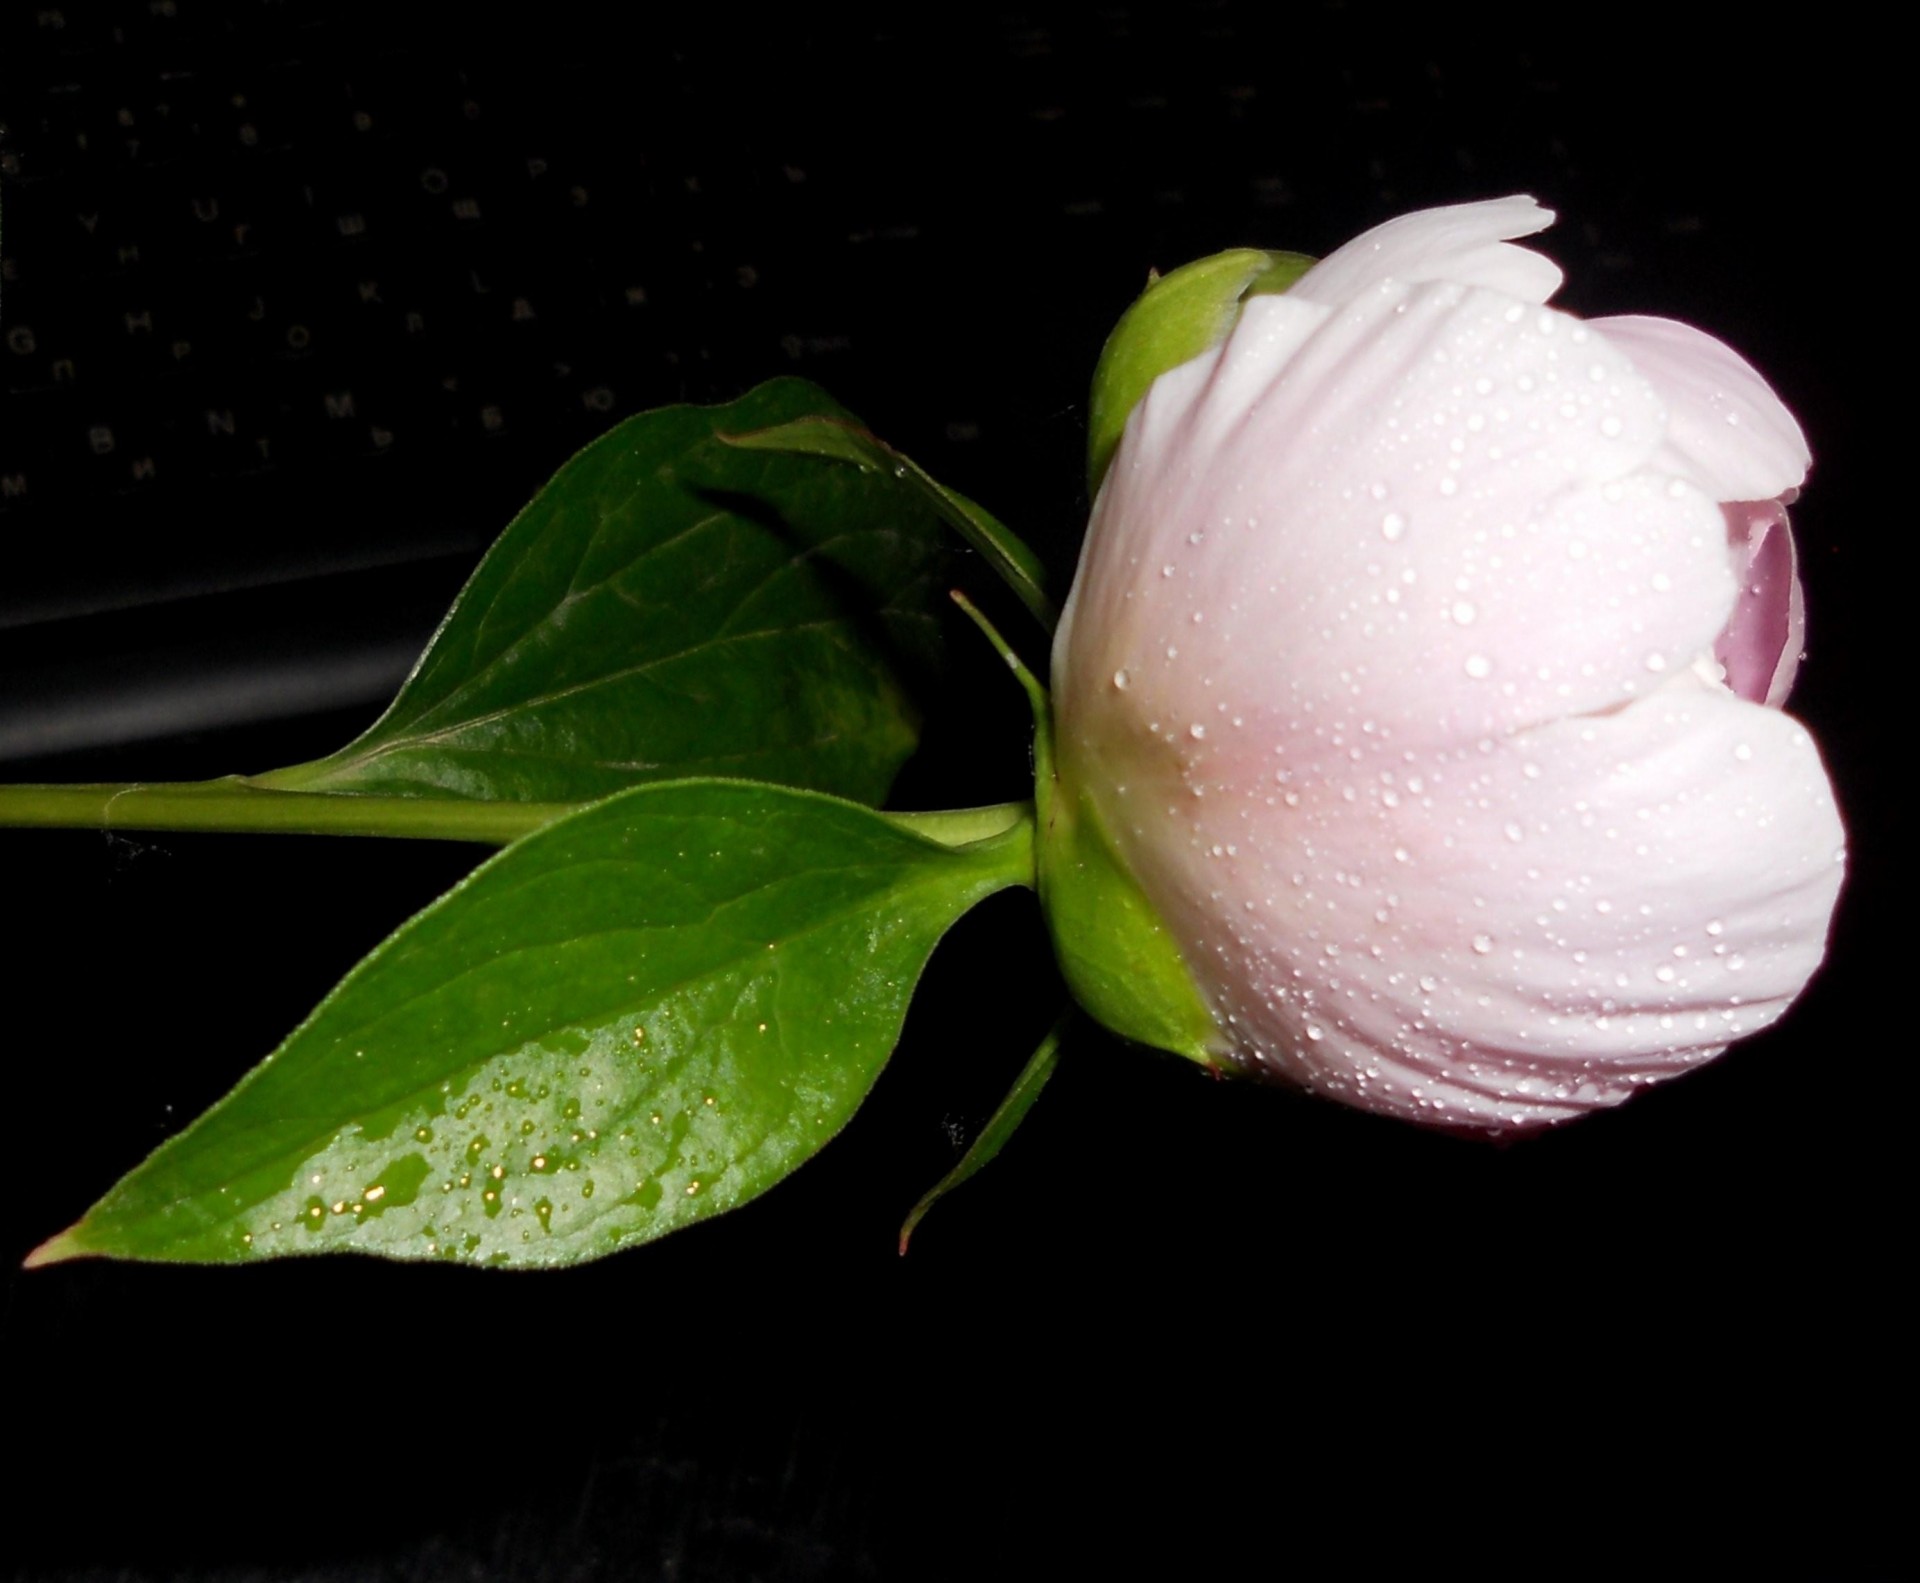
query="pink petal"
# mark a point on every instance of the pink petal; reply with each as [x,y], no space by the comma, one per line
[1763,642]
[1727,431]
[1425,519]
[1467,243]
[1511,933]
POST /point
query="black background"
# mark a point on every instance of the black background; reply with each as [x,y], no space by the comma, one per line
[1182,1326]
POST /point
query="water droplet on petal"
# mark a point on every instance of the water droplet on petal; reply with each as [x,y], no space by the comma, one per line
[1478,666]
[1482,944]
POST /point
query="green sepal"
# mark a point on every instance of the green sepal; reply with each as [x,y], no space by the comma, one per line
[1179,316]
[1114,952]
[1117,957]
[1000,1126]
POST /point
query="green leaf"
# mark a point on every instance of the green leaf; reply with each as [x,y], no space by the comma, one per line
[844,440]
[671,606]
[1000,1126]
[636,1018]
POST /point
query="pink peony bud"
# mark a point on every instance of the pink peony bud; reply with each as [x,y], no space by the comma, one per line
[1422,672]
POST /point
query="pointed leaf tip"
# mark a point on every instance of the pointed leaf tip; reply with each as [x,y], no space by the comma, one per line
[57,1250]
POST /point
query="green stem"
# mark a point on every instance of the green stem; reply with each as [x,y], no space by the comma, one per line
[234,803]
[238,804]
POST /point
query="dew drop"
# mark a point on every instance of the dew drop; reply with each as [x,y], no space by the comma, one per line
[1392,525]
[1478,666]
[1120,680]
[1482,944]
[1464,612]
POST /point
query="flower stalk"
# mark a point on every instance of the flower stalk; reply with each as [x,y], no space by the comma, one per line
[238,805]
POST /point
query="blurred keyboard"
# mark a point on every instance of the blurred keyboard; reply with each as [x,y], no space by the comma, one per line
[299,303]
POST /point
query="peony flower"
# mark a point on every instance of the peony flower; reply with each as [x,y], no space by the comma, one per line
[1423,671]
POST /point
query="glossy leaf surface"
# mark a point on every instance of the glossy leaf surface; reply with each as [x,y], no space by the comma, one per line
[671,606]
[634,1019]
